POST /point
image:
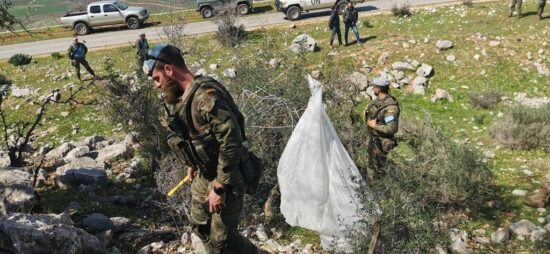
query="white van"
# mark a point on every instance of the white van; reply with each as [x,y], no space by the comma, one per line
[293,8]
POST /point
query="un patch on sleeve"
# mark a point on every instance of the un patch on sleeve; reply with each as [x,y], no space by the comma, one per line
[388,119]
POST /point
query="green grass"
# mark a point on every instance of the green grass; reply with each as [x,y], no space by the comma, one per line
[506,66]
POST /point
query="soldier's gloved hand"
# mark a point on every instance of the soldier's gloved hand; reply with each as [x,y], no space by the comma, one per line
[191,173]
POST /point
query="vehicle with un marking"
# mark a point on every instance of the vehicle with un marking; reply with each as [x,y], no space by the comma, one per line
[293,8]
[207,8]
[105,13]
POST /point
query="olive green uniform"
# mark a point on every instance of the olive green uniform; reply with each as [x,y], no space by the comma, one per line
[382,139]
[214,129]
[519,3]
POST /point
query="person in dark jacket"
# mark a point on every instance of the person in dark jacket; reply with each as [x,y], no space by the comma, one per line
[350,20]
[334,25]
[77,53]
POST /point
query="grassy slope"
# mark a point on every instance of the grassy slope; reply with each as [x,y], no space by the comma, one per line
[506,66]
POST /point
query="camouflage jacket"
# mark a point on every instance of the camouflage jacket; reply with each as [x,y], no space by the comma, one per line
[386,112]
[213,128]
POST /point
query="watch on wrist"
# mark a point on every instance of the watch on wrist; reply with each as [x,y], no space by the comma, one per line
[219,191]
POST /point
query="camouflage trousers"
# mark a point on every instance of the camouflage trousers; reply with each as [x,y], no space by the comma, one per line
[519,3]
[218,231]
[377,159]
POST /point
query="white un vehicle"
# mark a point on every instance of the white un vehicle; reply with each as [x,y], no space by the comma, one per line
[293,8]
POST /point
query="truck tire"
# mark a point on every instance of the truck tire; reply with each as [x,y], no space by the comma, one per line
[207,12]
[293,13]
[341,6]
[81,28]
[243,9]
[133,23]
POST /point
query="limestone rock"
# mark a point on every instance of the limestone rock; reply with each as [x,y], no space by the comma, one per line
[522,227]
[538,234]
[302,43]
[41,178]
[402,66]
[93,140]
[359,80]
[54,158]
[45,233]
[425,70]
[110,152]
[419,85]
[441,94]
[500,236]
[230,73]
[97,222]
[444,44]
[84,170]
[383,58]
[17,191]
[76,153]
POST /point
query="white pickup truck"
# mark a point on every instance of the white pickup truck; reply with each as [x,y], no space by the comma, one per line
[293,8]
[105,13]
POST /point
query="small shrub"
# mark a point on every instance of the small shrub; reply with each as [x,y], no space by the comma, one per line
[20,59]
[366,23]
[4,81]
[523,128]
[403,10]
[57,55]
[486,99]
[468,3]
[229,34]
[431,185]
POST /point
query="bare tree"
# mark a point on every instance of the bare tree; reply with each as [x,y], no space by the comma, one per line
[7,20]
[230,32]
[16,135]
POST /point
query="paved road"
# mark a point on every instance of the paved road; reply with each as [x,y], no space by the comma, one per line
[105,39]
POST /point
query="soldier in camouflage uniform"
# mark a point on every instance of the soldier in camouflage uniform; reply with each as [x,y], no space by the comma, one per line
[541,198]
[202,112]
[382,116]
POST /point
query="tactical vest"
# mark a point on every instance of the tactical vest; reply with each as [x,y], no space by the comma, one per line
[199,147]
[375,112]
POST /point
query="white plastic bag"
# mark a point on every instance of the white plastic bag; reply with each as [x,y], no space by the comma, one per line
[318,179]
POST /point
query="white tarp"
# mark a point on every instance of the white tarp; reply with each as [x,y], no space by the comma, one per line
[318,179]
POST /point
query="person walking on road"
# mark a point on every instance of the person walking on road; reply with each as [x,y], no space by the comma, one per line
[77,53]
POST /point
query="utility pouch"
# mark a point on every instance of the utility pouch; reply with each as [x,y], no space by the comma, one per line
[251,169]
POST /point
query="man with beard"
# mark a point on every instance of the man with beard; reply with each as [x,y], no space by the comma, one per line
[382,116]
[207,130]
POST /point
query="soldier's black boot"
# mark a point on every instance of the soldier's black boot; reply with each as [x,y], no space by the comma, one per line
[519,13]
[511,13]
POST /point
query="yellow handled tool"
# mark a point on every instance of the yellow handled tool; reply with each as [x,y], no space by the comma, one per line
[181,183]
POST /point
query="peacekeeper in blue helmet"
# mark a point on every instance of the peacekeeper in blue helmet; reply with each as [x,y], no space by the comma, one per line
[382,117]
